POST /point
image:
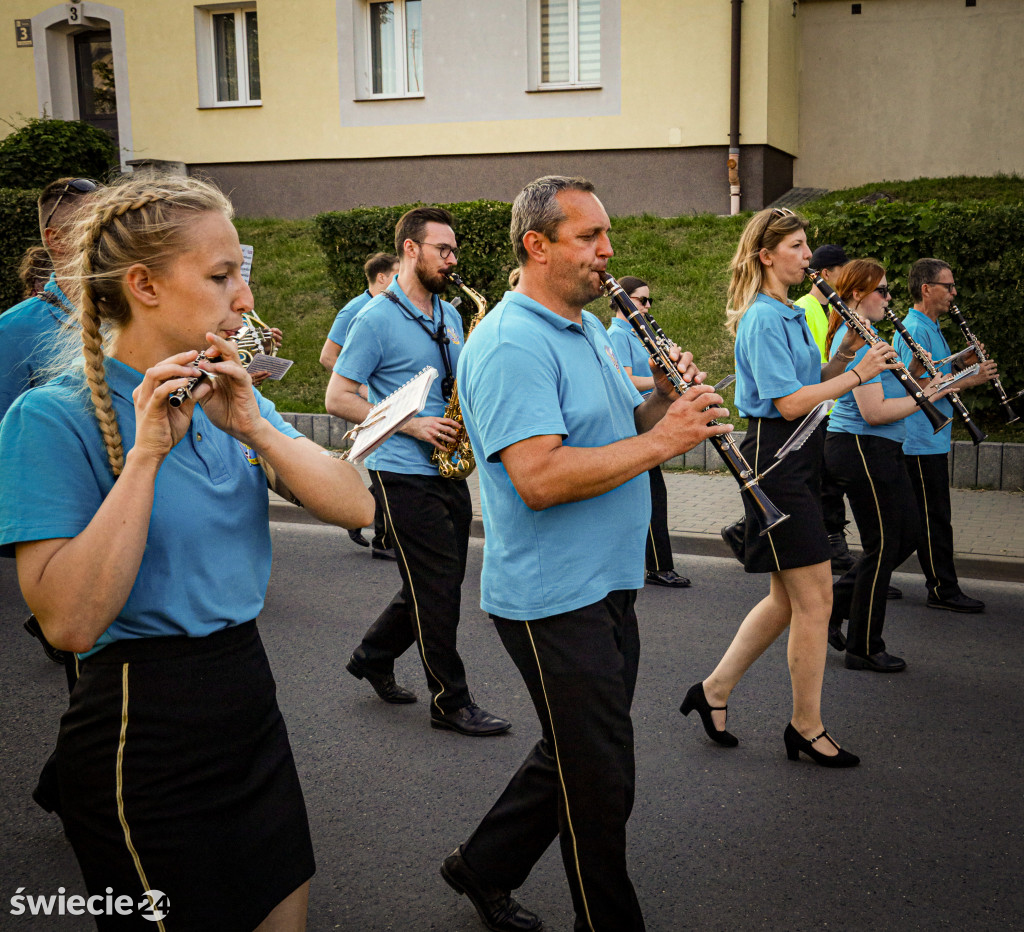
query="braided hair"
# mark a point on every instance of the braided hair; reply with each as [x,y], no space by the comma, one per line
[139,220]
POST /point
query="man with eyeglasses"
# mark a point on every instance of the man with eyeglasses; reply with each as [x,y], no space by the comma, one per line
[28,330]
[933,290]
[399,332]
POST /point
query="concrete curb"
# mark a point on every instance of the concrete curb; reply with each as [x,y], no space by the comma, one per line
[969,565]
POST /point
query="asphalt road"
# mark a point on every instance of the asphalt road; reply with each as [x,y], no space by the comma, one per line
[925,834]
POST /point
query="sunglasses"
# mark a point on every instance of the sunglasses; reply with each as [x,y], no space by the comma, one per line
[884,291]
[444,250]
[79,186]
[774,213]
[638,299]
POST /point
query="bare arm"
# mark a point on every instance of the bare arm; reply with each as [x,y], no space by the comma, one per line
[545,472]
[834,381]
[640,383]
[329,354]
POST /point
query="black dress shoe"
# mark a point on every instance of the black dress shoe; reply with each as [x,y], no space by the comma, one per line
[695,699]
[836,638]
[882,662]
[667,578]
[383,684]
[796,742]
[957,603]
[356,537]
[497,908]
[379,553]
[470,720]
[892,593]
[734,536]
[52,653]
[842,559]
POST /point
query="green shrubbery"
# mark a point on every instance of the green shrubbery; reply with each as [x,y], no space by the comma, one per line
[984,244]
[19,229]
[44,150]
[347,238]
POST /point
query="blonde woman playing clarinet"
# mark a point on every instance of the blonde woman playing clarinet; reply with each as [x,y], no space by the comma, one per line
[779,379]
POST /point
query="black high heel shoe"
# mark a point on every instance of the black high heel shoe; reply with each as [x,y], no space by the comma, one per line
[695,699]
[796,742]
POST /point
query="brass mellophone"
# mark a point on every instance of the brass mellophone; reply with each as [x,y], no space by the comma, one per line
[910,385]
[1004,399]
[253,337]
[658,346]
[977,434]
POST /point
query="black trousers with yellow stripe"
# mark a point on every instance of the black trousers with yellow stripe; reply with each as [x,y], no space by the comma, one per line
[577,782]
[428,520]
[659,547]
[871,471]
[929,477]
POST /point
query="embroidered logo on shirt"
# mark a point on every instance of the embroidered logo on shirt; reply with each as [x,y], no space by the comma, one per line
[611,356]
[249,453]
[453,335]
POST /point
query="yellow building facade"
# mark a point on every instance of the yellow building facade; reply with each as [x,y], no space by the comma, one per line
[297,106]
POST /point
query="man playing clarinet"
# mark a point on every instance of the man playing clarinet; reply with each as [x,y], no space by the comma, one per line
[927,453]
[564,441]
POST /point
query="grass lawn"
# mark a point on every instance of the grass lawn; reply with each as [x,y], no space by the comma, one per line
[685,259]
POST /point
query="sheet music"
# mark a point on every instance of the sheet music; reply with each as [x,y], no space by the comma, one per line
[390,415]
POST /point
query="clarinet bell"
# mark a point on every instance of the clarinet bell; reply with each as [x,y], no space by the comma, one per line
[977,434]
[767,515]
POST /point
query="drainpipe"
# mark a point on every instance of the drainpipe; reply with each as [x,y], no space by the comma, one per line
[734,113]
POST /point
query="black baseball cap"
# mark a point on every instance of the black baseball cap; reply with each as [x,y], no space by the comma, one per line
[828,256]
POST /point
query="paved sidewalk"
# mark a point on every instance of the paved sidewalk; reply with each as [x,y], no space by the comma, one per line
[988,527]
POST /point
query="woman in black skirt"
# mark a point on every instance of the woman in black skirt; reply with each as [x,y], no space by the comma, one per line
[779,379]
[142,540]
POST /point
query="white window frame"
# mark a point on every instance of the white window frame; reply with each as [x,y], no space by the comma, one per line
[206,58]
[535,46]
[401,52]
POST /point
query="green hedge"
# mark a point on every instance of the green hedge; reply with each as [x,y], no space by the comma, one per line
[19,229]
[983,243]
[347,238]
[44,150]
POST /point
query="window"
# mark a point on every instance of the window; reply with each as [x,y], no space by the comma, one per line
[395,55]
[228,56]
[570,43]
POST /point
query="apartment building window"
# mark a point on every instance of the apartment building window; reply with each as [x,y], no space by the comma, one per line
[570,43]
[228,56]
[395,54]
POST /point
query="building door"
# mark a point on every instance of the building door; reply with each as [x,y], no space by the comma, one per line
[94,68]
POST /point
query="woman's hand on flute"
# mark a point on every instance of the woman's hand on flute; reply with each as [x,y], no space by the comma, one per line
[228,400]
[158,426]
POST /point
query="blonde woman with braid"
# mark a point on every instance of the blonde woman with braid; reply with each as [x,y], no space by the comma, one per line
[779,379]
[142,543]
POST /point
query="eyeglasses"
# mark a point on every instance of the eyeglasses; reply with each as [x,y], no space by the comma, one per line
[641,299]
[949,286]
[772,215]
[79,185]
[884,291]
[443,248]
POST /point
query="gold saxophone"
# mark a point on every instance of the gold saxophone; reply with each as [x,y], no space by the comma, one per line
[456,461]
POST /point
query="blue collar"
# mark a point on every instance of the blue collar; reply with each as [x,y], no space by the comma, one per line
[789,311]
[535,307]
[924,318]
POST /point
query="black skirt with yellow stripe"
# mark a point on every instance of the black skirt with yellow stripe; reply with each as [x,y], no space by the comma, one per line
[176,775]
[795,489]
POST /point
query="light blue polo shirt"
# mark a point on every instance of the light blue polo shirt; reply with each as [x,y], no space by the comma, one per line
[207,558]
[528,372]
[27,333]
[385,347]
[921,439]
[775,356]
[629,348]
[846,417]
[339,329]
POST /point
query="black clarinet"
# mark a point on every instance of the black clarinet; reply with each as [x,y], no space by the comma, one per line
[658,347]
[921,355]
[1004,399]
[910,385]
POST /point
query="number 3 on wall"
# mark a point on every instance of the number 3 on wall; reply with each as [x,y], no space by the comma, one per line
[76,15]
